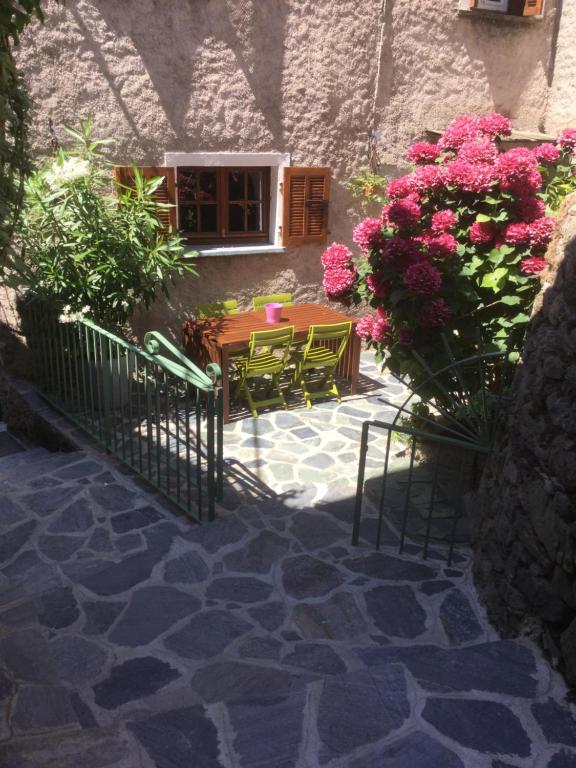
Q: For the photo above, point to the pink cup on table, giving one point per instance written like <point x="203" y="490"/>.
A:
<point x="273" y="312"/>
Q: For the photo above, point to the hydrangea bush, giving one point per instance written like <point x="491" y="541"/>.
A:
<point x="459" y="245"/>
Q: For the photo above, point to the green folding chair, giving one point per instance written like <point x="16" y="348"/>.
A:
<point x="268" y="356"/>
<point x="318" y="355"/>
<point x="279" y="298"/>
<point x="217" y="309"/>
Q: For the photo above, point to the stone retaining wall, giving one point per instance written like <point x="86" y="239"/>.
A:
<point x="526" y="516"/>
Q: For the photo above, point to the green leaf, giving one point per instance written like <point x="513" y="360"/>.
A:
<point x="510" y="301"/>
<point x="520" y="319"/>
<point x="495" y="280"/>
<point x="482" y="217"/>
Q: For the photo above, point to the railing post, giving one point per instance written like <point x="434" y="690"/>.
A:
<point x="360" y="483"/>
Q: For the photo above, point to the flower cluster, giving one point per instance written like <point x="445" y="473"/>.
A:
<point x="368" y="234"/>
<point x="460" y="243"/>
<point x="423" y="152"/>
<point x="403" y="213"/>
<point x="66" y="171"/>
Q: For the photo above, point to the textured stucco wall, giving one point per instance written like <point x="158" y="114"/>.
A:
<point x="308" y="77"/>
<point x="561" y="110"/>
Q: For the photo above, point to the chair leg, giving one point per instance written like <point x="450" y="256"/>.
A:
<point x="251" y="403"/>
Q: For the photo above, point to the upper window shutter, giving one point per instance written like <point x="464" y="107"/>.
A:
<point x="166" y="192"/>
<point x="305" y="205"/>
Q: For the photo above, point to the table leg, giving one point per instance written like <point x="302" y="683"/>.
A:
<point x="356" y="348"/>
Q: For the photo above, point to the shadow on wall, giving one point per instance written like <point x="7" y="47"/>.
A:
<point x="172" y="47"/>
<point x="526" y="515"/>
<point x="510" y="54"/>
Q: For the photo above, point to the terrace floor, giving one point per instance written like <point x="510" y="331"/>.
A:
<point x="130" y="638"/>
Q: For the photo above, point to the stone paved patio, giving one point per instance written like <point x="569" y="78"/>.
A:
<point x="132" y="639"/>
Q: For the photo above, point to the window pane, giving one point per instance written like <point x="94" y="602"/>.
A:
<point x="255" y="217"/>
<point x="208" y="186"/>
<point x="236" y="217"/>
<point x="255" y="185"/>
<point x="208" y="218"/>
<point x="188" y="218"/>
<point x="236" y="185"/>
<point x="188" y="185"/>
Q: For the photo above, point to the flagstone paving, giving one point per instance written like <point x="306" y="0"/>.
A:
<point x="130" y="638"/>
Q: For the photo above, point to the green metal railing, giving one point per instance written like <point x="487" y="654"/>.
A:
<point x="443" y="448"/>
<point x="152" y="408"/>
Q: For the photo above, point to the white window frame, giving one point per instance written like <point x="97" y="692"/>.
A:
<point x="276" y="161"/>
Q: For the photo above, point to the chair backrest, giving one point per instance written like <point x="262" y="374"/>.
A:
<point x="329" y="332"/>
<point x="217" y="309"/>
<point x="276" y="338"/>
<point x="279" y="298"/>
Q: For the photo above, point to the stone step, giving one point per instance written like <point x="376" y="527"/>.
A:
<point x="37" y="463"/>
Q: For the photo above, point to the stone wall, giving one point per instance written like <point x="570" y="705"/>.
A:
<point x="303" y="77"/>
<point x="526" y="518"/>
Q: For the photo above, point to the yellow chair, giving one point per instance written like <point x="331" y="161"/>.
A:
<point x="279" y="298"/>
<point x="316" y="355"/>
<point x="268" y="355"/>
<point x="217" y="309"/>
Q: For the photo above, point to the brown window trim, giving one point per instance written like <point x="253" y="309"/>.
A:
<point x="223" y="236"/>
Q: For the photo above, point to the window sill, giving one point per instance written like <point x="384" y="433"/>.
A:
<point x="234" y="250"/>
<point x="487" y="15"/>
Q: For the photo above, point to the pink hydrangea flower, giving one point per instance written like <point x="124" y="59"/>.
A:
<point x="423" y="279"/>
<point x="364" y="327"/>
<point x="533" y="266"/>
<point x="402" y="252"/>
<point x="426" y="178"/>
<point x="336" y="256"/>
<point x="482" y="232"/>
<point x="567" y="139"/>
<point x="495" y="124"/>
<point x="338" y="281"/>
<point x="403" y="213"/>
<point x="530" y="208"/>
<point x="442" y="221"/>
<point x="517" y="234"/>
<point x="368" y="234"/>
<point x="547" y="153"/>
<point x="478" y="151"/>
<point x="378" y="284"/>
<point x="406" y="337"/>
<point x="440" y="246"/>
<point x="470" y="127"/>
<point x="462" y="129"/>
<point x="517" y="171"/>
<point x="470" y="177"/>
<point x="541" y="231"/>
<point x="434" y="314"/>
<point x="423" y="152"/>
<point x="399" y="187"/>
<point x="382" y="329"/>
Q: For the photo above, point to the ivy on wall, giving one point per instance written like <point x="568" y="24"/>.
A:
<point x="15" y="162"/>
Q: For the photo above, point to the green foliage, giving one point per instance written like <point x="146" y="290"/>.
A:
<point x="90" y="245"/>
<point x="368" y="187"/>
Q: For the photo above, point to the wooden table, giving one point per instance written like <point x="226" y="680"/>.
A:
<point x="221" y="336"/>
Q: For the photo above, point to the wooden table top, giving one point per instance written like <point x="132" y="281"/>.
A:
<point x="234" y="329"/>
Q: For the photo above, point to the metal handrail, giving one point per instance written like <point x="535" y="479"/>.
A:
<point x="160" y="415"/>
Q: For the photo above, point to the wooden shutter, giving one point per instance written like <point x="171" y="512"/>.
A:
<point x="305" y="205"/>
<point x="166" y="192"/>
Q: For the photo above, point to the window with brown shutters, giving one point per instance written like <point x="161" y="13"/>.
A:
<point x="165" y="193"/>
<point x="305" y="205"/>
